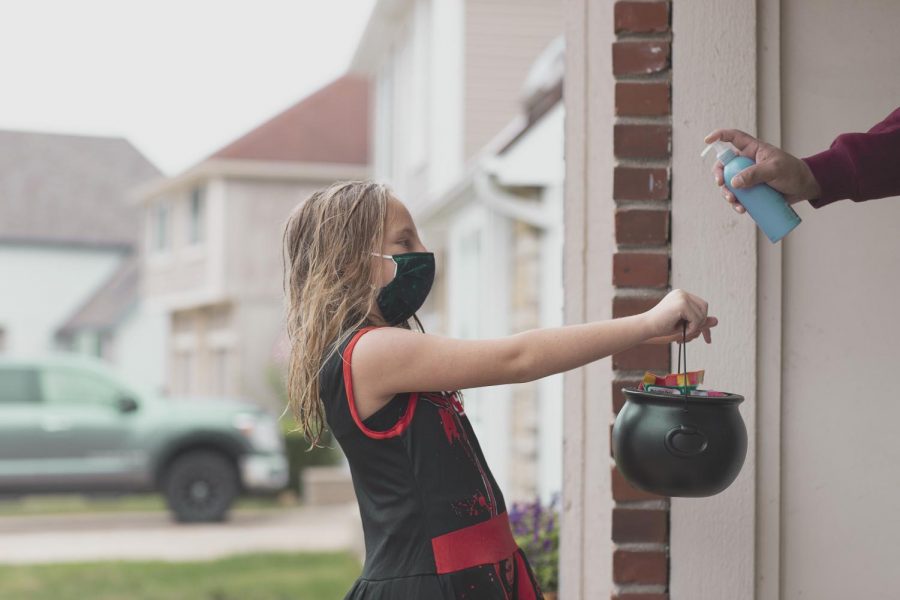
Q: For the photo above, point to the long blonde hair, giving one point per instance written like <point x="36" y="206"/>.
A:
<point x="328" y="279"/>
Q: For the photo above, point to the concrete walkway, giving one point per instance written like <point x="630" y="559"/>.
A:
<point x="153" y="536"/>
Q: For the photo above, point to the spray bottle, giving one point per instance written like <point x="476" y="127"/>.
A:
<point x="768" y="207"/>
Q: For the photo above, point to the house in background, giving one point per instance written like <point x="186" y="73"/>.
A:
<point x="482" y="176"/>
<point x="213" y="261"/>
<point x="69" y="251"/>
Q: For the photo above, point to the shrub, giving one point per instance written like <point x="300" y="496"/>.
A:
<point x="536" y="530"/>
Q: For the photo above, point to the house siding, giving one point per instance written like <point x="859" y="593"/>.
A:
<point x="502" y="40"/>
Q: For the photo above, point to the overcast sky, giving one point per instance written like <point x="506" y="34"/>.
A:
<point x="178" y="78"/>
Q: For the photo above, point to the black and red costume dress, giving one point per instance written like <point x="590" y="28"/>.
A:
<point x="434" y="520"/>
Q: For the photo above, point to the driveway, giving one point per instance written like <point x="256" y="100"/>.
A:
<point x="152" y="536"/>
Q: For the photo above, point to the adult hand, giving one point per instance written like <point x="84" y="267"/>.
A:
<point x="667" y="318"/>
<point x="775" y="167"/>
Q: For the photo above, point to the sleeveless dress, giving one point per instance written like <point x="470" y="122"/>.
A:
<point x="434" y="520"/>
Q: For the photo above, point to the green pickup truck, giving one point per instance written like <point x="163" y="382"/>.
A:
<point x="70" y="424"/>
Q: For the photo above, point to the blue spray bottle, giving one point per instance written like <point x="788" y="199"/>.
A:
<point x="768" y="207"/>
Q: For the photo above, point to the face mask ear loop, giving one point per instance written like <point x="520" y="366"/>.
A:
<point x="391" y="258"/>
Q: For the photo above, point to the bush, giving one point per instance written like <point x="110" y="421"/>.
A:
<point x="297" y="445"/>
<point x="299" y="456"/>
<point x="536" y="530"/>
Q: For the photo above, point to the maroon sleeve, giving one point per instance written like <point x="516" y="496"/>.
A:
<point x="860" y="166"/>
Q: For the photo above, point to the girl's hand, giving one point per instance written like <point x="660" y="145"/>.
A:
<point x="666" y="319"/>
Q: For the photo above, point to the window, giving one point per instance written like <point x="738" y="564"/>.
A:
<point x="161" y="228"/>
<point x="72" y="387"/>
<point x="220" y="371"/>
<point x="197" y="210"/>
<point x="19" y="386"/>
<point x="183" y="375"/>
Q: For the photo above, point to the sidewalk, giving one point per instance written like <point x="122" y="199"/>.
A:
<point x="153" y="536"/>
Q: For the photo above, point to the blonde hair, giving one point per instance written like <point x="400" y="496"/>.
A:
<point x="328" y="279"/>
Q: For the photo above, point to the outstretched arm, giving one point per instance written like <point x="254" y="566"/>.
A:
<point x="858" y="166"/>
<point x="391" y="360"/>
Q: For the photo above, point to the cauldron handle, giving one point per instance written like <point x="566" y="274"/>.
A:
<point x="685" y="430"/>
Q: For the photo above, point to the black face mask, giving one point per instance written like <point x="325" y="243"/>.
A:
<point x="406" y="292"/>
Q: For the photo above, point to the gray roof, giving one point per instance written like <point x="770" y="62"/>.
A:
<point x="110" y="302"/>
<point x="69" y="189"/>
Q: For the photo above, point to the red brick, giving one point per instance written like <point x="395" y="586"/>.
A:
<point x="646" y="357"/>
<point x="626" y="596"/>
<point x="642" y="141"/>
<point x="623" y="491"/>
<point x="617" y="395"/>
<point x="641" y="17"/>
<point x="640" y="567"/>
<point x="640" y="183"/>
<point x="642" y="99"/>
<point x="642" y="226"/>
<point x="640" y="58"/>
<point x="626" y="306"/>
<point x="640" y="526"/>
<point x="635" y="269"/>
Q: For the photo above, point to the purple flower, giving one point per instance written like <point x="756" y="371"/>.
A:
<point x="537" y="520"/>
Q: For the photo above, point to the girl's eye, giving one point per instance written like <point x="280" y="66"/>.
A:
<point x="404" y="243"/>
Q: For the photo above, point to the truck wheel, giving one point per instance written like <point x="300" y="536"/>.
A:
<point x="200" y="487"/>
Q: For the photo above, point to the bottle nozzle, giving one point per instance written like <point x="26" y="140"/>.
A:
<point x="724" y="152"/>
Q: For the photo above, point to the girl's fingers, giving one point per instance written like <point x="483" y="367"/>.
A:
<point x="701" y="310"/>
<point x="707" y="331"/>
<point x="695" y="320"/>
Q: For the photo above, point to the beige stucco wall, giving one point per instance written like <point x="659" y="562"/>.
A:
<point x="586" y="551"/>
<point x="714" y="256"/>
<point x="502" y="40"/>
<point x="840" y="450"/>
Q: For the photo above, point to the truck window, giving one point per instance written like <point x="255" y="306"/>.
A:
<point x="71" y="387"/>
<point x="19" y="385"/>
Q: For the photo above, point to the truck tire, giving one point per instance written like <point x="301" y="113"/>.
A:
<point x="200" y="486"/>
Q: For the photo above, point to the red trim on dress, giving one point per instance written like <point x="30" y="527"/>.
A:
<point x="526" y="587"/>
<point x="481" y="544"/>
<point x="400" y="425"/>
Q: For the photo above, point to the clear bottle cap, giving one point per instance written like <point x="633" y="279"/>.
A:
<point x="724" y="152"/>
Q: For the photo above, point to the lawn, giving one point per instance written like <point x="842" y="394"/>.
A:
<point x="268" y="576"/>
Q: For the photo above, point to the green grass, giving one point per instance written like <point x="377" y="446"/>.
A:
<point x="269" y="576"/>
<point x="66" y="504"/>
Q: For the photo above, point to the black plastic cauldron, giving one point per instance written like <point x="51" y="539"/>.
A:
<point x="679" y="446"/>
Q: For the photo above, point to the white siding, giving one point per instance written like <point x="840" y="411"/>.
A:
<point x="445" y="115"/>
<point x="44" y="286"/>
<point x="502" y="40"/>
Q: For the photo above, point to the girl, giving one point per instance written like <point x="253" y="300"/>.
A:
<point x="434" y="520"/>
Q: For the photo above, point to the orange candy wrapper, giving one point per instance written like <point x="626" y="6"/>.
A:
<point x="694" y="379"/>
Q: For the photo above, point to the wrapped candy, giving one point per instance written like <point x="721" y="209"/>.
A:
<point x="674" y="380"/>
<point x="678" y="391"/>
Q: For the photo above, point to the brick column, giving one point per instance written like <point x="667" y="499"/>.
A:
<point x="641" y="184"/>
